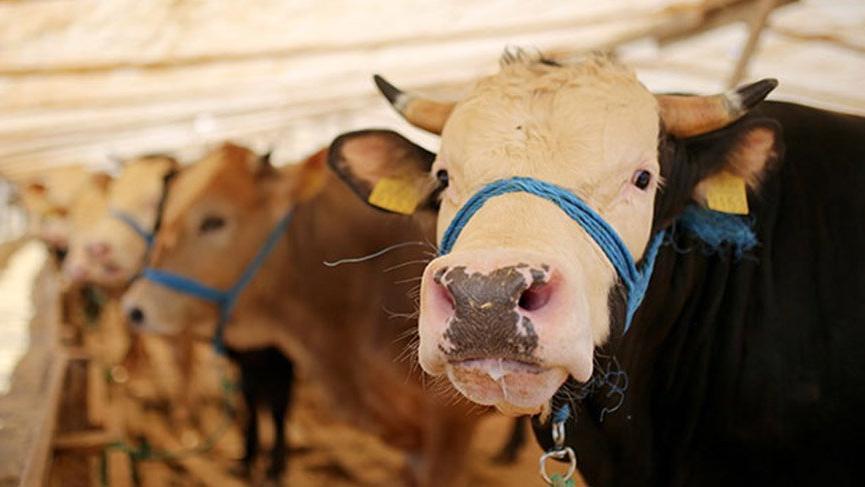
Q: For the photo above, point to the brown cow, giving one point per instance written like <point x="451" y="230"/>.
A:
<point x="89" y="204"/>
<point x="110" y="251"/>
<point x="347" y="324"/>
<point x="106" y="249"/>
<point x="58" y="210"/>
<point x="49" y="198"/>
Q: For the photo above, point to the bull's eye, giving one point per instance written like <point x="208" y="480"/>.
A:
<point x="211" y="223"/>
<point x="642" y="178"/>
<point x="442" y="177"/>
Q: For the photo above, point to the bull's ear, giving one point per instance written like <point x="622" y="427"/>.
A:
<point x="733" y="158"/>
<point x="741" y="155"/>
<point x="385" y="169"/>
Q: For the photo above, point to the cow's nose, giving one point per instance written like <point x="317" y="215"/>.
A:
<point x="491" y="311"/>
<point x="513" y="287"/>
<point x="135" y="316"/>
<point x="98" y="249"/>
<point x="76" y="273"/>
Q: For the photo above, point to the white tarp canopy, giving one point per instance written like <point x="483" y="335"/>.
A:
<point x="84" y="80"/>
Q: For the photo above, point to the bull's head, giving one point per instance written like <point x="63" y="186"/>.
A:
<point x="526" y="294"/>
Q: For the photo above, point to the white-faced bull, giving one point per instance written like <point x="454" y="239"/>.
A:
<point x="743" y="369"/>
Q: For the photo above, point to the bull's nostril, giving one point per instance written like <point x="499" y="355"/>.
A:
<point x="136" y="316"/>
<point x="445" y="295"/>
<point x="535" y="297"/>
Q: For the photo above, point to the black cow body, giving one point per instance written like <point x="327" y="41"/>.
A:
<point x="749" y="371"/>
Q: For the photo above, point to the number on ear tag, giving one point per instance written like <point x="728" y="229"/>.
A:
<point x="725" y="192"/>
<point x="396" y="195"/>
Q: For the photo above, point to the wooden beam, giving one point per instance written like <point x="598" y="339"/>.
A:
<point x="119" y="469"/>
<point x="714" y="15"/>
<point x="38" y="462"/>
<point x="53" y="363"/>
<point x="817" y="37"/>
<point x="97" y="394"/>
<point x="93" y="441"/>
<point x="758" y="23"/>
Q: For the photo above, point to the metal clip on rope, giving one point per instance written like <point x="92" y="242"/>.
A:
<point x="559" y="452"/>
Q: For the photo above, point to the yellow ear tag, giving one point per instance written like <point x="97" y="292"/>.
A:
<point x="396" y="195"/>
<point x="725" y="192"/>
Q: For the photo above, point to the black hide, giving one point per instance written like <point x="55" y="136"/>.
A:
<point x="751" y="371"/>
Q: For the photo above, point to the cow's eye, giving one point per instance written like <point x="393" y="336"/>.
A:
<point x="642" y="178"/>
<point x="442" y="177"/>
<point x="211" y="223"/>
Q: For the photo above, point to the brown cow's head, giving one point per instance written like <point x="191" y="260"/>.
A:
<point x="216" y="217"/>
<point x="47" y="220"/>
<point x="87" y="205"/>
<point x="110" y="253"/>
<point x="49" y="198"/>
<point x="524" y="296"/>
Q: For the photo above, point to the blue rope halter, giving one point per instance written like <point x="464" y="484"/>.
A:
<point x="136" y="227"/>
<point x="225" y="299"/>
<point x="635" y="280"/>
<point x="713" y="228"/>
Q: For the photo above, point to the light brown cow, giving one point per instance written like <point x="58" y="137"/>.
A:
<point x="347" y="325"/>
<point x="523" y="299"/>
<point x="88" y="207"/>
<point x="110" y="250"/>
<point x="48" y="199"/>
<point x="105" y="252"/>
<point x="69" y="215"/>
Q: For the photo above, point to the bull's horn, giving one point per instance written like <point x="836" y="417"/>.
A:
<point x="687" y="116"/>
<point x="426" y="114"/>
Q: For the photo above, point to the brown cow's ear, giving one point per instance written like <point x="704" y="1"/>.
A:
<point x="752" y="148"/>
<point x="35" y="188"/>
<point x="262" y="167"/>
<point x="294" y="183"/>
<point x="101" y="180"/>
<point x="385" y="169"/>
<point x="309" y="177"/>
